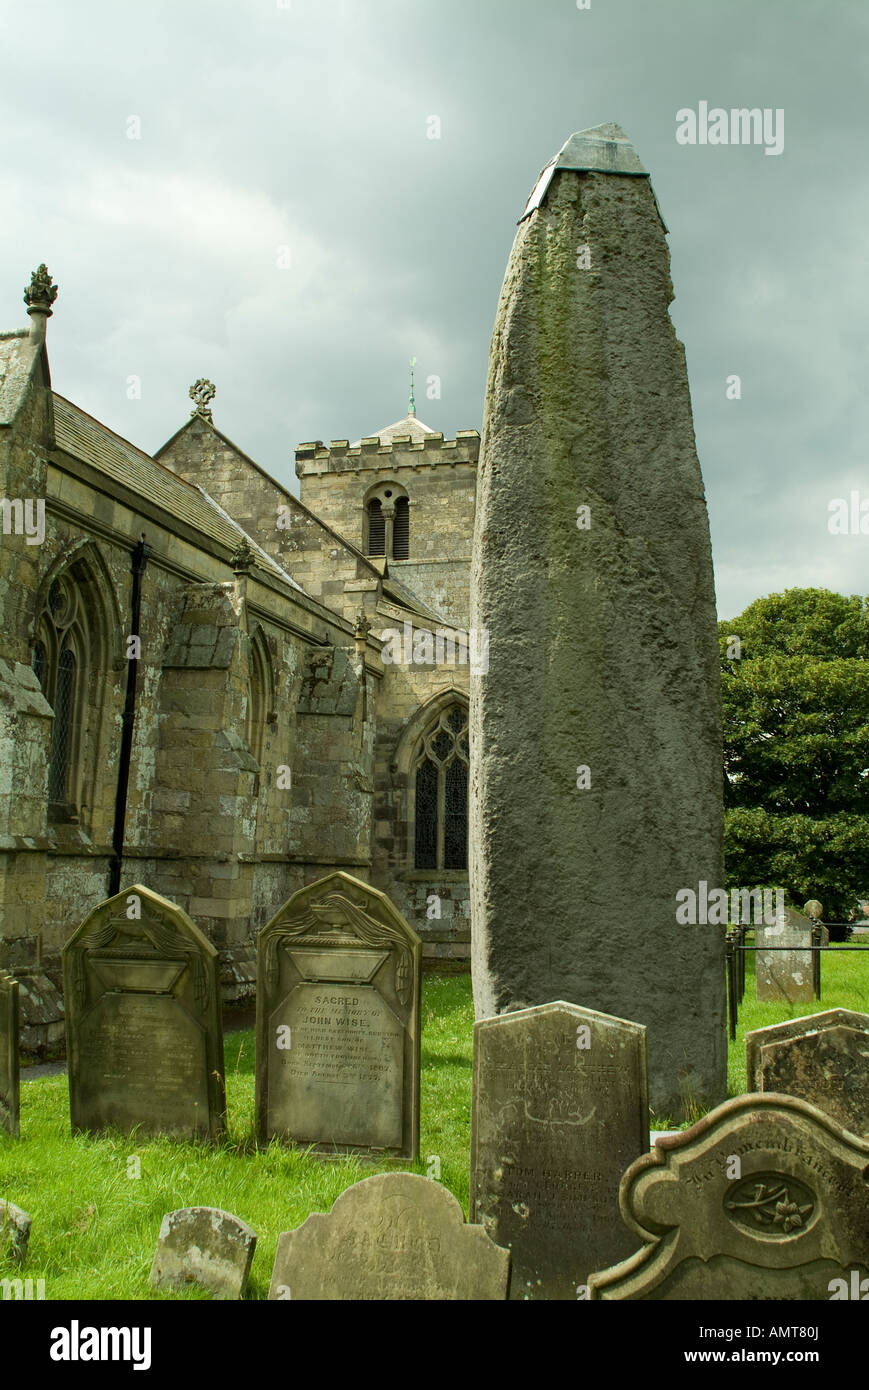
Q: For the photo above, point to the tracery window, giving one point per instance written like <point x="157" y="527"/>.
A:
<point x="59" y="661"/>
<point x="441" y="793"/>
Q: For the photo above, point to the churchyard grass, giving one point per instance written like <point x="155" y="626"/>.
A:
<point x="95" y="1228"/>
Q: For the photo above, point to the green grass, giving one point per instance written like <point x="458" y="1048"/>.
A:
<point x="844" y="985"/>
<point x="95" y="1228"/>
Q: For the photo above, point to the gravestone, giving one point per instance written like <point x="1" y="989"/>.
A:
<point x="9" y="1086"/>
<point x="338" y="1017"/>
<point x="205" y="1246"/>
<point x="393" y="1236"/>
<point x="14" y="1232"/>
<point x="144" y="1035"/>
<point x="560" y="1109"/>
<point x="597" y="727"/>
<point x="823" y="1058"/>
<point x="784" y="975"/>
<point x="764" y="1198"/>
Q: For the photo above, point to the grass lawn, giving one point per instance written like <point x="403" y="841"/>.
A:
<point x="95" y="1226"/>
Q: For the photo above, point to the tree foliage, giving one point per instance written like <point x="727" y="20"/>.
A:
<point x="795" y="694"/>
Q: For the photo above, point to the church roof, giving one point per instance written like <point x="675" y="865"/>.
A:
<point x="409" y="425"/>
<point x="85" y="438"/>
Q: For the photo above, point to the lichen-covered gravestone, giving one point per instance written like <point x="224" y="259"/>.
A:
<point x="14" y="1232"/>
<point x="560" y="1110"/>
<point x="764" y="1198"/>
<point x="784" y="975"/>
<point x="144" y="1035"/>
<point x="338" y="1014"/>
<point x="9" y="1087"/>
<point x="823" y="1058"/>
<point x="205" y="1246"/>
<point x="393" y="1236"/>
<point x="597" y="728"/>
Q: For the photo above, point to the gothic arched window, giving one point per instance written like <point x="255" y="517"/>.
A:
<point x="440" y="778"/>
<point x="59" y="661"/>
<point x="260" y="699"/>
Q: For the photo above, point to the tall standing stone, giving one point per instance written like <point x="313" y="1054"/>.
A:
<point x="560" y="1110"/>
<point x="9" y="1087"/>
<point x="596" y="733"/>
<point x="338" y="1018"/>
<point x="144" y="1034"/>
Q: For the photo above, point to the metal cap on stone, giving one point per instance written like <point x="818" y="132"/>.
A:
<point x="603" y="149"/>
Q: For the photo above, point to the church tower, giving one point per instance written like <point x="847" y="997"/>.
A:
<point x="405" y="496"/>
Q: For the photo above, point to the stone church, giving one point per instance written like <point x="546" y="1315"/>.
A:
<point x="218" y="689"/>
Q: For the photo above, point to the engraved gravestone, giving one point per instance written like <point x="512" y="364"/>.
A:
<point x="560" y="1109"/>
<point x="784" y="975"/>
<point x="823" y="1058"/>
<point x="764" y="1198"/>
<point x="9" y="1088"/>
<point x="144" y="1034"/>
<point x="338" y="1010"/>
<point x="393" y="1236"/>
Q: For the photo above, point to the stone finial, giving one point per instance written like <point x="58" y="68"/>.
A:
<point x="201" y="393"/>
<point x="242" y="558"/>
<point x="362" y="626"/>
<point x="41" y="293"/>
<point x="813" y="909"/>
<point x="39" y="296"/>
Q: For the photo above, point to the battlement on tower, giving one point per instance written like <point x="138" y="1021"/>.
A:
<point x="372" y="454"/>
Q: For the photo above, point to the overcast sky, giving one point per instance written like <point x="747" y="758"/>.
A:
<point x="298" y="131"/>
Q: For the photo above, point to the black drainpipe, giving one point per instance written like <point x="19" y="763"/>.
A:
<point x="138" y="562"/>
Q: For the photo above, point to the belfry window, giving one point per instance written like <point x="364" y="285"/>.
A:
<point x="376" y="528"/>
<point x="441" y="794"/>
<point x="401" y="530"/>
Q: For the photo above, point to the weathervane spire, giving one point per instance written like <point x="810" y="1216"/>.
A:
<point x="412" y="402"/>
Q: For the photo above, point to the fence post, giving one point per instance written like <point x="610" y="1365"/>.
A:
<point x="730" y="957"/>
<point x="817" y="937"/>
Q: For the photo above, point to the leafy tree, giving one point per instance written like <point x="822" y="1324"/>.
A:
<point x="795" y="693"/>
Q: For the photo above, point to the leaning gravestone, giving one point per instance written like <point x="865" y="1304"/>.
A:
<point x="393" y="1236"/>
<point x="560" y="1109"/>
<point x="764" y="1198"/>
<point x="205" y="1246"/>
<point x="784" y="975"/>
<point x="144" y="1035"/>
<point x="338" y="1009"/>
<point x="823" y="1058"/>
<point x="597" y="726"/>
<point x="9" y="1087"/>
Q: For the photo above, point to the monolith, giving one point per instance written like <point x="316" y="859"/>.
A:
<point x="597" y="785"/>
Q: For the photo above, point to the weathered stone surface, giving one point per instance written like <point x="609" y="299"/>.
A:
<point x="764" y="1198"/>
<point x="560" y="1109"/>
<point x="597" y="730"/>
<point x="205" y="1246"/>
<point x="14" y="1232"/>
<point x="338" y="1000"/>
<point x="784" y="975"/>
<point x="143" y="1020"/>
<point x="823" y="1058"/>
<point x="9" y="1088"/>
<point x="393" y="1236"/>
